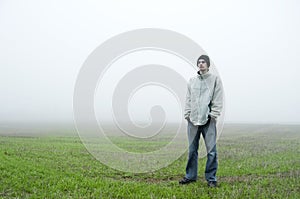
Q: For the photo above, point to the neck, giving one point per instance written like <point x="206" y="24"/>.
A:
<point x="203" y="72"/>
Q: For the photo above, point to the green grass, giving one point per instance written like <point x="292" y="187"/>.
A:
<point x="255" y="161"/>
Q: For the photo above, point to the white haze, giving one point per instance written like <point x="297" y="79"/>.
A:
<point x="255" y="46"/>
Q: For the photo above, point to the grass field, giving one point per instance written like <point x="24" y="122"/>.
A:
<point x="255" y="161"/>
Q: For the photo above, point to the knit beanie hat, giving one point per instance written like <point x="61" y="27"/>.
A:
<point x="206" y="59"/>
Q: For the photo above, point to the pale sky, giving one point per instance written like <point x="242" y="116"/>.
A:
<point x="255" y="46"/>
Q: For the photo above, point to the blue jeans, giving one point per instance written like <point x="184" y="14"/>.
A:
<point x="209" y="134"/>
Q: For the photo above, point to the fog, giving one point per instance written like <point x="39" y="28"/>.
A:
<point x="254" y="46"/>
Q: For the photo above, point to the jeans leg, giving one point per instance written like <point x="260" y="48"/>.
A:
<point x="210" y="136"/>
<point x="192" y="164"/>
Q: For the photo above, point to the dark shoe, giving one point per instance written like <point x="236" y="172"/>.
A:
<point x="186" y="181"/>
<point x="212" y="184"/>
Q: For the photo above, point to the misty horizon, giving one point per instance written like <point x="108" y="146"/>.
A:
<point x="43" y="49"/>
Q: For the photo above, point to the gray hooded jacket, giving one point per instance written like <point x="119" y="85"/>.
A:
<point x="204" y="98"/>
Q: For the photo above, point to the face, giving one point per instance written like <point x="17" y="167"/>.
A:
<point x="202" y="65"/>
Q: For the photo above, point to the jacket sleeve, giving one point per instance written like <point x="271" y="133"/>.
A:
<point x="187" y="109"/>
<point x="217" y="99"/>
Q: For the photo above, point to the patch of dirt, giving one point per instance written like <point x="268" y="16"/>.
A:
<point x="230" y="179"/>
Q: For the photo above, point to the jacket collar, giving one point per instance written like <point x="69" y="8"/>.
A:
<point x="203" y="75"/>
